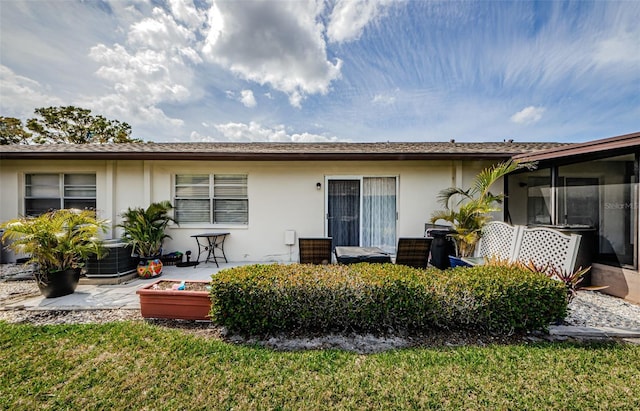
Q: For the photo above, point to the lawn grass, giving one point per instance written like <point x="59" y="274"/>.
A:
<point x="137" y="365"/>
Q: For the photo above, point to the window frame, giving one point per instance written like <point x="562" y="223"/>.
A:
<point x="212" y="198"/>
<point x="62" y="188"/>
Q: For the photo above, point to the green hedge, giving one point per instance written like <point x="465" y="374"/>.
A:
<point x="383" y="298"/>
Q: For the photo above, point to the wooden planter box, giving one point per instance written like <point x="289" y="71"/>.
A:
<point x="158" y="300"/>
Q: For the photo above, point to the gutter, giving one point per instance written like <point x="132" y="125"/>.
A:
<point x="622" y="144"/>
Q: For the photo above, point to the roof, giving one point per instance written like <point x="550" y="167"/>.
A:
<point x="611" y="146"/>
<point x="276" y="151"/>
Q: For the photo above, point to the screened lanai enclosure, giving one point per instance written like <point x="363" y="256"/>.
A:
<point x="596" y="198"/>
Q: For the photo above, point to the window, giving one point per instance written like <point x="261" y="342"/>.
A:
<point x="44" y="192"/>
<point x="213" y="199"/>
<point x="599" y="195"/>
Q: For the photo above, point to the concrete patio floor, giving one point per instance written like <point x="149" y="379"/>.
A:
<point x="115" y="296"/>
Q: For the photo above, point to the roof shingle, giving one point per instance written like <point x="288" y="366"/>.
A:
<point x="274" y="151"/>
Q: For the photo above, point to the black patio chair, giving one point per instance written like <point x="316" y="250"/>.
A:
<point x="413" y="252"/>
<point x="315" y="250"/>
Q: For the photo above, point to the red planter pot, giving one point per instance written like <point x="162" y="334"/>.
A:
<point x="174" y="304"/>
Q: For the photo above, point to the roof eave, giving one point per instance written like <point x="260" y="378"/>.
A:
<point x="250" y="156"/>
<point x="607" y="146"/>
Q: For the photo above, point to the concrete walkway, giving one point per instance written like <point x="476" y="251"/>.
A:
<point x="115" y="296"/>
<point x="123" y="296"/>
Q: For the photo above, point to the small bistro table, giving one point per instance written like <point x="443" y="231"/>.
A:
<point x="211" y="242"/>
<point x="353" y="255"/>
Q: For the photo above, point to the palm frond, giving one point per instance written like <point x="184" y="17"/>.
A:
<point x="472" y="210"/>
<point x="444" y="196"/>
<point x="144" y="229"/>
<point x="487" y="177"/>
<point x="57" y="240"/>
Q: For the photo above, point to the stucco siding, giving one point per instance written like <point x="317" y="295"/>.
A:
<point x="282" y="195"/>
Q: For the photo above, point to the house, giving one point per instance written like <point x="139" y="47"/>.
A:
<point x="367" y="194"/>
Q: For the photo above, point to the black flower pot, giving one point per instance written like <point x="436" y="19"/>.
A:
<point x="59" y="283"/>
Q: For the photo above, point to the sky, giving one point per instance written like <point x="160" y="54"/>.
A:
<point x="336" y="71"/>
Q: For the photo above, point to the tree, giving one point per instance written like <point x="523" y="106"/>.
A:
<point x="12" y="131"/>
<point x="78" y="126"/>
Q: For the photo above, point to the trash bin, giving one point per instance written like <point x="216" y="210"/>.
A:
<point x="442" y="245"/>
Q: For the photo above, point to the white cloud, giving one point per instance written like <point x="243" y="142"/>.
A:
<point x="187" y="13"/>
<point x="147" y="74"/>
<point x="199" y="138"/>
<point x="295" y="99"/>
<point x="383" y="100"/>
<point x="21" y="95"/>
<point x="279" y="44"/>
<point x="349" y="18"/>
<point x="154" y="66"/>
<point x="144" y="116"/>
<point x="528" y="115"/>
<point x="255" y="132"/>
<point x="622" y="48"/>
<point x="313" y="138"/>
<point x="248" y="99"/>
<point x="163" y="67"/>
<point x="570" y="56"/>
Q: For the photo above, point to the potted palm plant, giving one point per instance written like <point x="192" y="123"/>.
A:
<point x="58" y="243"/>
<point x="144" y="230"/>
<point x="469" y="214"/>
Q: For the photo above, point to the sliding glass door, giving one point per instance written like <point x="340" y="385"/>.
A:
<point x="361" y="211"/>
<point x="343" y="212"/>
<point x="379" y="213"/>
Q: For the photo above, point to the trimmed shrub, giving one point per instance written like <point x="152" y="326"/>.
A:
<point x="382" y="298"/>
<point x="494" y="298"/>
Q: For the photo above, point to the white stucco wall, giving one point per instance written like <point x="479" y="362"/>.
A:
<point x="12" y="182"/>
<point x="282" y="195"/>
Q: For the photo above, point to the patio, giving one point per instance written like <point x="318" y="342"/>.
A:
<point x="113" y="296"/>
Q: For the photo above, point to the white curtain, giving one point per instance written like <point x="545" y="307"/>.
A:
<point x="379" y="213"/>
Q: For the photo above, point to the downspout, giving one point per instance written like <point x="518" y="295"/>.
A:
<point x="506" y="215"/>
<point x="110" y="190"/>
<point x="554" y="194"/>
<point x="456" y="174"/>
<point x="147" y="181"/>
